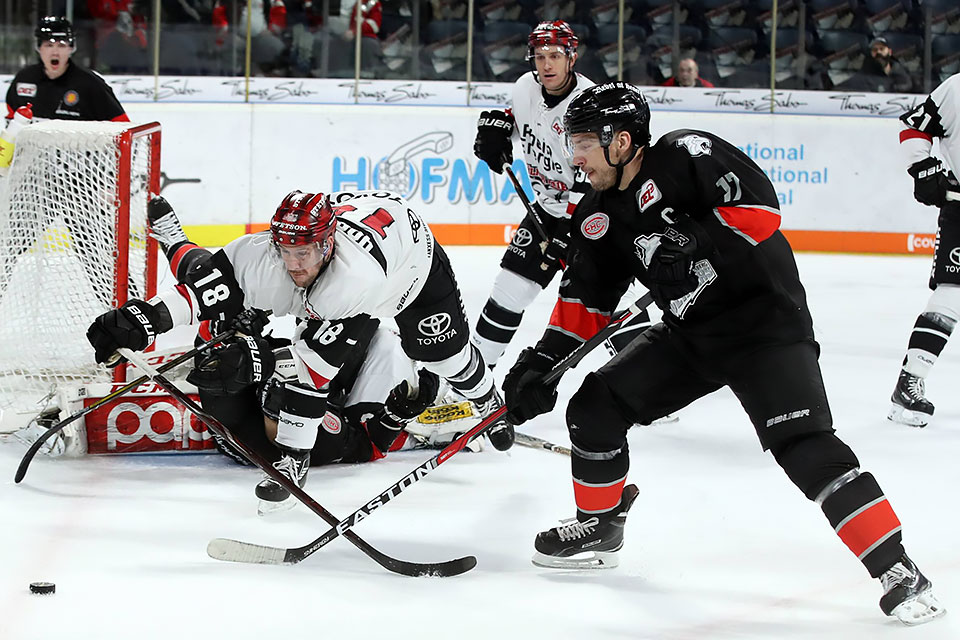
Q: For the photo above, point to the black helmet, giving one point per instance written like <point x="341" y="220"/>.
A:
<point x="54" y="28"/>
<point x="604" y="109"/>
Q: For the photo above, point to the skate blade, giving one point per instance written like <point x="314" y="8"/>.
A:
<point x="267" y="508"/>
<point x="918" y="610"/>
<point x="910" y="418"/>
<point x="586" y="560"/>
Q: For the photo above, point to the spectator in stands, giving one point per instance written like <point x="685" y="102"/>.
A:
<point x="326" y="48"/>
<point x="268" y="20"/>
<point x="688" y="75"/>
<point x="882" y="72"/>
<point x="121" y="36"/>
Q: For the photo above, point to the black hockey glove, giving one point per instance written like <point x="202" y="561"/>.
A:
<point x="930" y="182"/>
<point x="527" y="396"/>
<point x="400" y="406"/>
<point x="230" y="369"/>
<point x="133" y="326"/>
<point x="670" y="270"/>
<point x="249" y="322"/>
<point x="555" y="253"/>
<point x="493" y="144"/>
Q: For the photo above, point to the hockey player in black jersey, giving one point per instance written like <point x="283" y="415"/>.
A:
<point x="696" y="221"/>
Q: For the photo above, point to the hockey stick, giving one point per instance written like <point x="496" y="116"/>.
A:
<point x="953" y="195"/>
<point x="439" y="569"/>
<point x="535" y="218"/>
<point x="539" y="443"/>
<point x="49" y="433"/>
<point x="236" y="551"/>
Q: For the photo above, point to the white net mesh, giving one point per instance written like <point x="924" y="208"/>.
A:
<point x="60" y="252"/>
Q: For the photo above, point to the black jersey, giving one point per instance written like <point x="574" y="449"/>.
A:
<point x="749" y="292"/>
<point x="78" y="94"/>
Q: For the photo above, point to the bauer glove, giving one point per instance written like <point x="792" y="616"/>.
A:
<point x="493" y="144"/>
<point x="230" y="369"/>
<point x="527" y="395"/>
<point x="930" y="182"/>
<point x="133" y="326"/>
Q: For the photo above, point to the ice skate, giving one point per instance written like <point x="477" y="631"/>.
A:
<point x="164" y="225"/>
<point x="908" y="594"/>
<point x="501" y="434"/>
<point x="591" y="544"/>
<point x="910" y="407"/>
<point x="273" y="496"/>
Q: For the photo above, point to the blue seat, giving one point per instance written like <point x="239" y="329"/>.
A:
<point x="944" y="15"/>
<point x="843" y="50"/>
<point x="723" y="13"/>
<point x="732" y="46"/>
<point x="832" y="14"/>
<point x="945" y="50"/>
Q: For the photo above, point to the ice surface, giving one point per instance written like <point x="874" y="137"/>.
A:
<point x="719" y="544"/>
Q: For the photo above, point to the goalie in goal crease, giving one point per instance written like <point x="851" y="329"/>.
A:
<point x="342" y="390"/>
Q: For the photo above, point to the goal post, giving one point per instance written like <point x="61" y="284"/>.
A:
<point x="73" y="244"/>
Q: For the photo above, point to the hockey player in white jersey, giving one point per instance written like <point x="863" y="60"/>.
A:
<point x="335" y="262"/>
<point x="938" y="117"/>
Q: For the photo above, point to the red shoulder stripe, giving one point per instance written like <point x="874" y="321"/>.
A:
<point x="756" y="223"/>
<point x="907" y="134"/>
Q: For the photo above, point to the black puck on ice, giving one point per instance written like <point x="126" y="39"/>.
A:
<point x="43" y="588"/>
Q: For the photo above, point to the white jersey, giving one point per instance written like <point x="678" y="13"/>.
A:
<point x="937" y="117"/>
<point x="539" y="127"/>
<point x="382" y="256"/>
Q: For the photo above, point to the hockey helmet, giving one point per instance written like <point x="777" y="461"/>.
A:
<point x="552" y="33"/>
<point x="302" y="219"/>
<point x="607" y="108"/>
<point x="54" y="28"/>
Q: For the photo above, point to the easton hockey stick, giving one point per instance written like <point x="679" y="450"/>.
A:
<point x="403" y="567"/>
<point x="49" y="433"/>
<point x="236" y="551"/>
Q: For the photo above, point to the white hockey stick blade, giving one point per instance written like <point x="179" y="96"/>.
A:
<point x="236" y="551"/>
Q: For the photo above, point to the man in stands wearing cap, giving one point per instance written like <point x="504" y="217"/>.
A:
<point x="882" y="72"/>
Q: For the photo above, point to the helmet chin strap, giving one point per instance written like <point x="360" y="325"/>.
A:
<point x="619" y="166"/>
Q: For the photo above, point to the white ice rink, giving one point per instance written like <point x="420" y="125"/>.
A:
<point x="719" y="545"/>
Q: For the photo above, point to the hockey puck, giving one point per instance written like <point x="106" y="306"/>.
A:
<point x="43" y="588"/>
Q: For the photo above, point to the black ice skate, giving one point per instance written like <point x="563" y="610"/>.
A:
<point x="294" y="464"/>
<point x="908" y="594"/>
<point x="164" y="225"/>
<point x="591" y="544"/>
<point x="501" y="434"/>
<point x="910" y="407"/>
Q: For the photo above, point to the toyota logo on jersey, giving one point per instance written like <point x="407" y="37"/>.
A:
<point x="522" y="238"/>
<point x="595" y="226"/>
<point x="435" y="325"/>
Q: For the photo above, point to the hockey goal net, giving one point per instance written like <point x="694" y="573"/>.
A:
<point x="73" y="244"/>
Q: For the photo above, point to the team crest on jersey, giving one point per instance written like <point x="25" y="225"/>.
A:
<point x="26" y="89"/>
<point x="647" y="195"/>
<point x="557" y="126"/>
<point x="595" y="226"/>
<point x="331" y="423"/>
<point x="644" y="246"/>
<point x="696" y="145"/>
<point x="71" y="98"/>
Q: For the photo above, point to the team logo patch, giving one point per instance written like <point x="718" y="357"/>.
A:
<point x="26" y="89"/>
<point x="557" y="127"/>
<point x="696" y="145"/>
<point x="71" y="98"/>
<point x="647" y="195"/>
<point x="595" y="226"/>
<point x="331" y="423"/>
<point x="644" y="246"/>
<point x="435" y="325"/>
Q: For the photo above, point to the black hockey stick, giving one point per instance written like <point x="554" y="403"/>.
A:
<point x="534" y="216"/>
<point x="236" y="551"/>
<point x="403" y="567"/>
<point x="49" y="433"/>
<point x="534" y="442"/>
